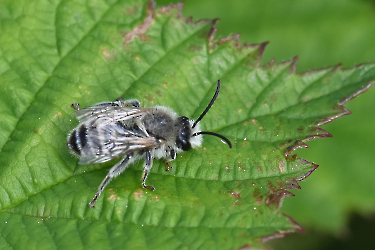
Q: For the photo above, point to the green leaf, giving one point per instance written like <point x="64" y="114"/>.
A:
<point x="57" y="53"/>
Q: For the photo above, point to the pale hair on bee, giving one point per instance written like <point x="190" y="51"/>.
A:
<point x="110" y="130"/>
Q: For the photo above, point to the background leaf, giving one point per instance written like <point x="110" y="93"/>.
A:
<point x="99" y="52"/>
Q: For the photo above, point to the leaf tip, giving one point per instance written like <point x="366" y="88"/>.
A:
<point x="281" y="234"/>
<point x="262" y="47"/>
<point x="294" y="64"/>
<point x="355" y="94"/>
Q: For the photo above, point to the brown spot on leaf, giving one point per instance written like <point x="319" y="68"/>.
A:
<point x="256" y="192"/>
<point x="150" y="98"/>
<point x="235" y="194"/>
<point x="285" y="144"/>
<point x="106" y="54"/>
<point x="259" y="200"/>
<point x="281" y="166"/>
<point x="292" y="183"/>
<point x="279" y="183"/>
<point x="167" y="9"/>
<point x="144" y="37"/>
<point x="111" y="198"/>
<point x="142" y="28"/>
<point x="271" y="187"/>
<point x="276" y="197"/>
<point x="195" y="48"/>
<point x="113" y="194"/>
<point x="57" y="115"/>
<point x="236" y="204"/>
<point x="155" y="198"/>
<point x="133" y="10"/>
<point x="138" y="194"/>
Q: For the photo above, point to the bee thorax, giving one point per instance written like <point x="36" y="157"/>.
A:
<point x="161" y="122"/>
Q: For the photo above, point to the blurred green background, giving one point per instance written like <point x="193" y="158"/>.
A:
<point x="336" y="205"/>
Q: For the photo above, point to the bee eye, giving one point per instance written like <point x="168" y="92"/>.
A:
<point x="184" y="133"/>
<point x="183" y="144"/>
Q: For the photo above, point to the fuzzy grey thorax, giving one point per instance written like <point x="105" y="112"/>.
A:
<point x="161" y="122"/>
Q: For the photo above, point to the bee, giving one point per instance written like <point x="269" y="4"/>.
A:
<point x="110" y="130"/>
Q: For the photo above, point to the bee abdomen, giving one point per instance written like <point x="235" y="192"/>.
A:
<point x="83" y="135"/>
<point x="77" y="139"/>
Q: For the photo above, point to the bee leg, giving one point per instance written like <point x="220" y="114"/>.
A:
<point x="173" y="156"/>
<point x="167" y="166"/>
<point x="129" y="103"/>
<point x="146" y="170"/>
<point x="132" y="103"/>
<point x="76" y="106"/>
<point x="113" y="172"/>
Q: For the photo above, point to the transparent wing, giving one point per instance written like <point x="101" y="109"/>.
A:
<point x="118" y="111"/>
<point x="108" y="140"/>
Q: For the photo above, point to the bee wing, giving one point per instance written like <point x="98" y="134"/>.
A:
<point x="115" y="110"/>
<point x="111" y="140"/>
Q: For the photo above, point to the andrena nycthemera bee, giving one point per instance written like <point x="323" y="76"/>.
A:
<point x="110" y="130"/>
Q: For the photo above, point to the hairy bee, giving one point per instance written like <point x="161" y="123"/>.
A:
<point x="109" y="130"/>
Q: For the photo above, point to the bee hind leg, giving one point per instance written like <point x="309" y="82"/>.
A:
<point x="113" y="172"/>
<point x="146" y="170"/>
<point x="128" y="103"/>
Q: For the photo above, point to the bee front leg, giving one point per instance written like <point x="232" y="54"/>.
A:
<point x="146" y="170"/>
<point x="167" y="166"/>
<point x="172" y="156"/>
<point x="113" y="172"/>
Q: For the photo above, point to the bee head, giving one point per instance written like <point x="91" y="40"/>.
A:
<point x="185" y="132"/>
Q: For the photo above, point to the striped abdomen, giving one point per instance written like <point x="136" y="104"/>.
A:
<point x="77" y="139"/>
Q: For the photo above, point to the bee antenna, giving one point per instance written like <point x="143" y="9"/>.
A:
<point x="209" y="105"/>
<point x="215" y="134"/>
